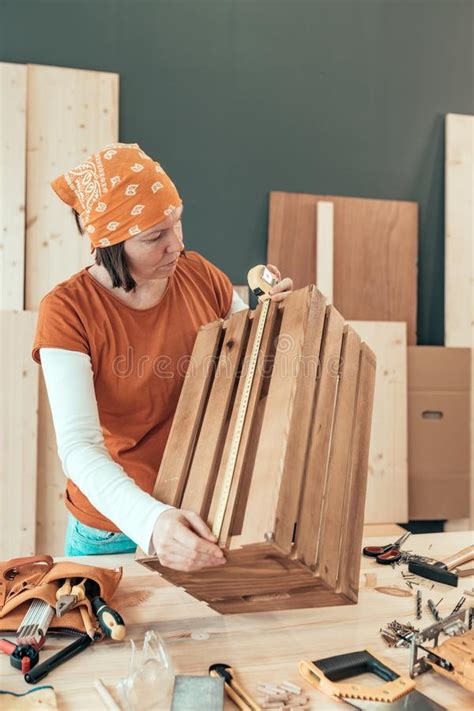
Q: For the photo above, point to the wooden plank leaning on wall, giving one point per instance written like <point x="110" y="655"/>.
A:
<point x="12" y="184"/>
<point x="375" y="253"/>
<point x="71" y="113"/>
<point x="459" y="247"/>
<point x="18" y="434"/>
<point x="387" y="480"/>
<point x="18" y="379"/>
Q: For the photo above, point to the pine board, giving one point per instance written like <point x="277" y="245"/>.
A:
<point x="18" y="434"/>
<point x="12" y="184"/>
<point x="375" y="253"/>
<point x="459" y="249"/>
<point x="71" y="113"/>
<point x="325" y="249"/>
<point x="459" y="231"/>
<point x="387" y="481"/>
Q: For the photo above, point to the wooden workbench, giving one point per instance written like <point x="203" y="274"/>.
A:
<point x="261" y="647"/>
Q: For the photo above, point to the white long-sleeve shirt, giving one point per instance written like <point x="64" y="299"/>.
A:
<point x="84" y="457"/>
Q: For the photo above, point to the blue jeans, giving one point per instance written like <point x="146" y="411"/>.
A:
<point x="86" y="540"/>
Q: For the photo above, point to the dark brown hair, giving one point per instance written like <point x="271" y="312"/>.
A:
<point x="113" y="258"/>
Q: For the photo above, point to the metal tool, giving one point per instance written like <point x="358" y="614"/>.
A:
<point x="414" y="701"/>
<point x="442" y="571"/>
<point x="68" y="596"/>
<point x="396" y="693"/>
<point x="451" y="626"/>
<point x="419" y="602"/>
<point x="458" y="606"/>
<point x="64" y="600"/>
<point x="388" y="553"/>
<point x="261" y="281"/>
<point x="195" y="693"/>
<point x="434" y="611"/>
<point x="232" y="688"/>
<point x="397" y="634"/>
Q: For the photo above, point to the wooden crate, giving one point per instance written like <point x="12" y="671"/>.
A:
<point x="292" y="530"/>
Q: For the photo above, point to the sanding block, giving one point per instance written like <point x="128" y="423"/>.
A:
<point x="198" y="693"/>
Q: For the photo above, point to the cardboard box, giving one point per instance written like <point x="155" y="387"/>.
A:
<point x="438" y="432"/>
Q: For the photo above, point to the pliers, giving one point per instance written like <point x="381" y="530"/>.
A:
<point x="68" y="595"/>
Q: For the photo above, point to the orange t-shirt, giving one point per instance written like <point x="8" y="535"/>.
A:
<point x="139" y="359"/>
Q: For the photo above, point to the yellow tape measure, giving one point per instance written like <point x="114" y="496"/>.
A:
<point x="260" y="280"/>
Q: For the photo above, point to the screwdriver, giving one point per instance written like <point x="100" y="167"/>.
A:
<point x="110" y="620"/>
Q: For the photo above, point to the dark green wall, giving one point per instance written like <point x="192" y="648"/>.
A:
<point x="240" y="97"/>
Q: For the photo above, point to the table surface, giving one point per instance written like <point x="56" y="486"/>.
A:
<point x="261" y="647"/>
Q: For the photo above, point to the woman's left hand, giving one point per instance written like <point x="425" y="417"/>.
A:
<point x="280" y="291"/>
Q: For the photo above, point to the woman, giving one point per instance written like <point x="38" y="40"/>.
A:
<point x="113" y="341"/>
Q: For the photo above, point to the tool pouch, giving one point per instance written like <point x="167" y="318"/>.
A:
<point x="38" y="577"/>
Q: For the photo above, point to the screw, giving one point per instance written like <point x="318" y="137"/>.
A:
<point x="458" y="606"/>
<point x="418" y="604"/>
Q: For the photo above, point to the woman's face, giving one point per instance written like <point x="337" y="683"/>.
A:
<point x="153" y="254"/>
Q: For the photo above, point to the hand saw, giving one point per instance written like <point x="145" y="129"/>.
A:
<point x="334" y="677"/>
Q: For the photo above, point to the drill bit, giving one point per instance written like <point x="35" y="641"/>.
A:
<point x="418" y="604"/>
<point x="432" y="608"/>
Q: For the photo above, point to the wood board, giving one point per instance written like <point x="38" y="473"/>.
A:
<point x="71" y="113"/>
<point x="325" y="248"/>
<point x="459" y="249"/>
<point x="375" y="253"/>
<point x="18" y="433"/>
<point x="314" y="382"/>
<point x="387" y="482"/>
<point x="12" y="184"/>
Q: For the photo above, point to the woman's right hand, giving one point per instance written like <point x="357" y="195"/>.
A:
<point x="183" y="541"/>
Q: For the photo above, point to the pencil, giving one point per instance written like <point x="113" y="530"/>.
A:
<point x="86" y="618"/>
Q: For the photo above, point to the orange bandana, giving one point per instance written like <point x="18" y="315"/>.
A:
<point x="118" y="192"/>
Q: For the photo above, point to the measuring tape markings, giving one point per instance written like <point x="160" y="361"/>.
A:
<point x="239" y="424"/>
<point x="260" y="280"/>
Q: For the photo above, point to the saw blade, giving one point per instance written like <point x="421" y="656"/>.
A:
<point x="413" y="701"/>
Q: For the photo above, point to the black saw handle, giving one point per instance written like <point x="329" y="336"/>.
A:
<point x="343" y="666"/>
